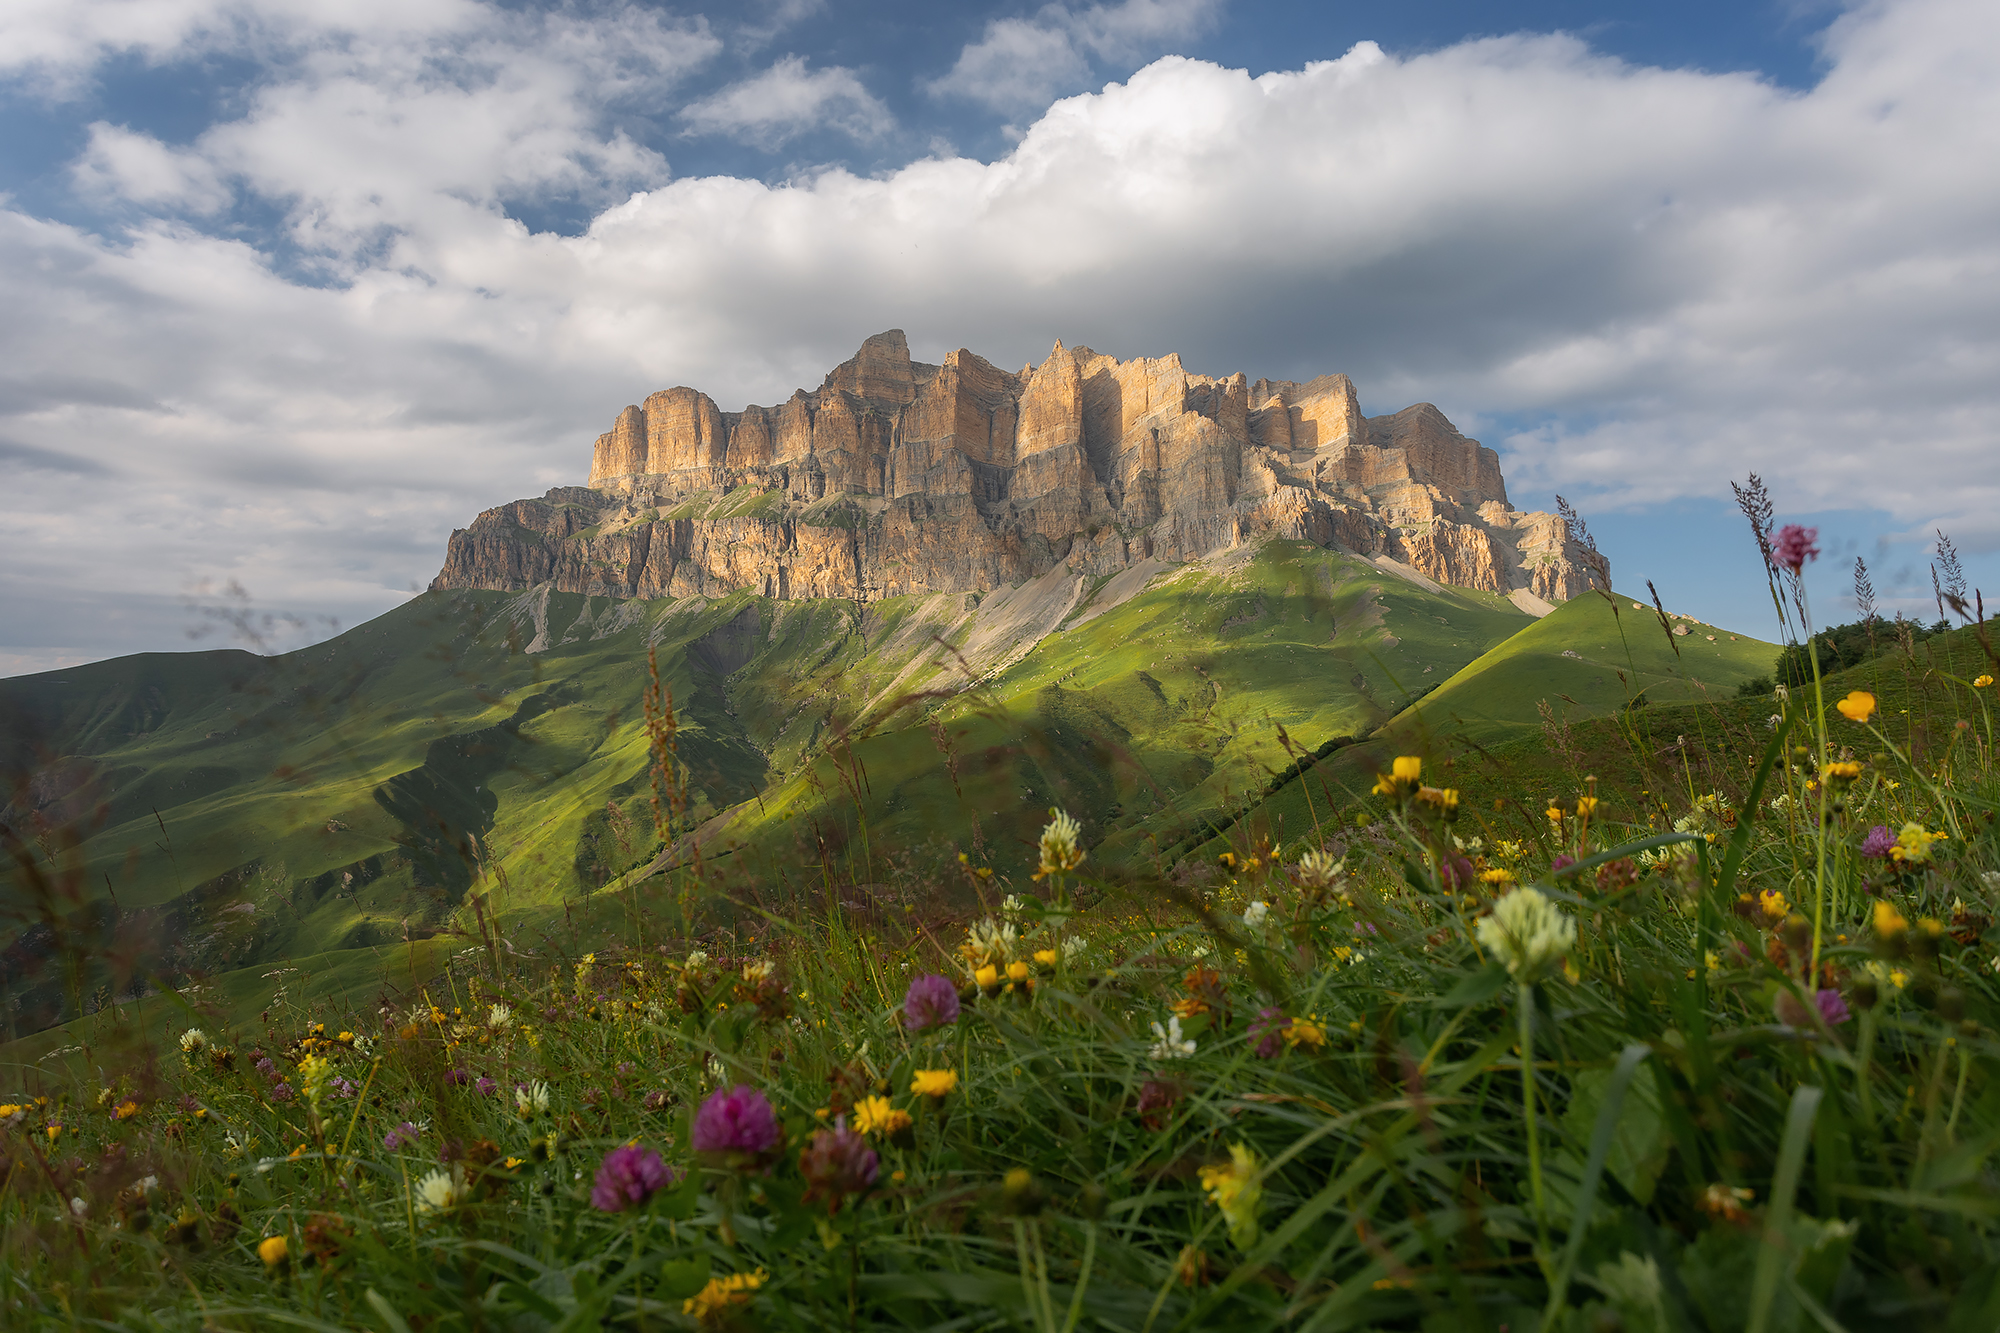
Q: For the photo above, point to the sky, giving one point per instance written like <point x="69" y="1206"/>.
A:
<point x="294" y="289"/>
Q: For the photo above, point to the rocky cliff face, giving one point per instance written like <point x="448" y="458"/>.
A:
<point x="898" y="477"/>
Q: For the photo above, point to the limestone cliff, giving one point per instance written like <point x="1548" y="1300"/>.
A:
<point x="898" y="477"/>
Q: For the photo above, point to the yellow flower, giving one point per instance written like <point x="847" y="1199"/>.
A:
<point x="1913" y="844"/>
<point x="721" y="1293"/>
<point x="1889" y="922"/>
<point x="934" y="1082"/>
<point x="1401" y="777"/>
<point x="1858" y="706"/>
<point x="1497" y="875"/>
<point x="876" y="1116"/>
<point x="1444" y="800"/>
<point x="1842" y="770"/>
<point x="987" y="977"/>
<point x="1045" y="957"/>
<point x="272" y="1250"/>
<point x="1554" y="812"/>
<point x="1773" y="904"/>
<point x="1586" y="806"/>
<point x="126" y="1109"/>
<point x="1306" y="1031"/>
<point x="1017" y="971"/>
<point x="1981" y="681"/>
<point x="1234" y="1189"/>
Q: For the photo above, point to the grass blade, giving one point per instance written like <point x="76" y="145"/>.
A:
<point x="1773" y="1254"/>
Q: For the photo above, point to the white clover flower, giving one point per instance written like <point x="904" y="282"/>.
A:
<point x="1256" y="914"/>
<point x="194" y="1041"/>
<point x="364" y="1046"/>
<point x="758" y="972"/>
<point x="499" y="1016"/>
<point x="78" y="1207"/>
<point x="1011" y="905"/>
<point x="1170" y="1044"/>
<point x="441" y="1190"/>
<point x="1527" y="933"/>
<point x="1074" y="947"/>
<point x="1059" y="847"/>
<point x="989" y="942"/>
<point x="1198" y="951"/>
<point x="532" y="1100"/>
<point x="1318" y="870"/>
<point x="696" y="960"/>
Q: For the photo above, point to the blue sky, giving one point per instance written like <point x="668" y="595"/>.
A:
<point x="294" y="289"/>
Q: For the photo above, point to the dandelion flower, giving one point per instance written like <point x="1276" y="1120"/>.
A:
<point x="1527" y="933"/>
<point x="1401" y="779"/>
<point x="272" y="1250"/>
<point x="1059" y="848"/>
<point x="1169" y="1044"/>
<point x="441" y="1190"/>
<point x="875" y="1115"/>
<point x="935" y="1083"/>
<point x="1858" y="706"/>
<point x="1234" y="1190"/>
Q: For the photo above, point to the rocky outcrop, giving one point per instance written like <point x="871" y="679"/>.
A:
<point x="898" y="477"/>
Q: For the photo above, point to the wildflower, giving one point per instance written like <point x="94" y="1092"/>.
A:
<point x="1073" y="946"/>
<point x="272" y="1250"/>
<point x="1527" y="933"/>
<point x="1841" y="770"/>
<point x="1880" y="841"/>
<point x="1772" y="903"/>
<point x="875" y="1115"/>
<point x="986" y="978"/>
<point x="1497" y="875"/>
<point x="499" y="1016"/>
<point x="194" y="1041"/>
<point x="1832" y="1009"/>
<point x="1319" y="870"/>
<point x="1306" y="1031"/>
<point x="1981" y="681"/>
<point x="1441" y="801"/>
<point x="1726" y="1202"/>
<point x="721" y="1293"/>
<point x="1059" y="850"/>
<point x="759" y="972"/>
<point x="935" y="1083"/>
<point x="1889" y="923"/>
<point x="1256" y="914"/>
<point x="1045" y="958"/>
<point x="1191" y="1268"/>
<point x="1586" y="806"/>
<point x="838" y="1162"/>
<point x="129" y="1108"/>
<point x="1913" y="845"/>
<point x="1401" y="779"/>
<point x="1170" y="1045"/>
<point x="441" y="1190"/>
<point x="1793" y="546"/>
<point x="1234" y="1189"/>
<point x="1017" y="971"/>
<point x="931" y="1002"/>
<point x="1858" y="706"/>
<point x="629" y="1176"/>
<point x="1266" y="1033"/>
<point x="988" y="942"/>
<point x="484" y="1086"/>
<point x="736" y="1122"/>
<point x="532" y="1100"/>
<point x="402" y="1136"/>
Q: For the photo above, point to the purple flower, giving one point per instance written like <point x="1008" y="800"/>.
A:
<point x="1794" y="546"/>
<point x="1878" y="842"/>
<point x="344" y="1088"/>
<point x="402" y="1136"/>
<point x="628" y="1177"/>
<point x="1267" y="1033"/>
<point x="282" y="1093"/>
<point x="736" y="1121"/>
<point x="1455" y="871"/>
<point x="836" y="1163"/>
<point x="1562" y="862"/>
<point x="1832" y="1009"/>
<point x="485" y="1086"/>
<point x="458" y="1078"/>
<point x="932" y="1002"/>
<point x="266" y="1068"/>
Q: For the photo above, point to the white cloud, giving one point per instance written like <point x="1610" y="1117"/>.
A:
<point x="139" y="169"/>
<point x="787" y="100"/>
<point x="1685" y="276"/>
<point x="1021" y="63"/>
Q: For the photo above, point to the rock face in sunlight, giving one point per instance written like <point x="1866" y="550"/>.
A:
<point x="898" y="477"/>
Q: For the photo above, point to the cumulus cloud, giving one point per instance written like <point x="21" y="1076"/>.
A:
<point x="120" y="164"/>
<point x="787" y="100"/>
<point x="1660" y="278"/>
<point x="1020" y="63"/>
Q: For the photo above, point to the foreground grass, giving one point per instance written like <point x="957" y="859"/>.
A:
<point x="1323" y="1088"/>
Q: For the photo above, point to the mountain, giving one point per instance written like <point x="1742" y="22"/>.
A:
<point x="894" y="620"/>
<point x="899" y="478"/>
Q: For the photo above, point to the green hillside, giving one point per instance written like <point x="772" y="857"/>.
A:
<point x="205" y="812"/>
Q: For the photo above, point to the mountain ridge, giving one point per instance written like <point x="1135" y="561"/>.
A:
<point x="899" y="477"/>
